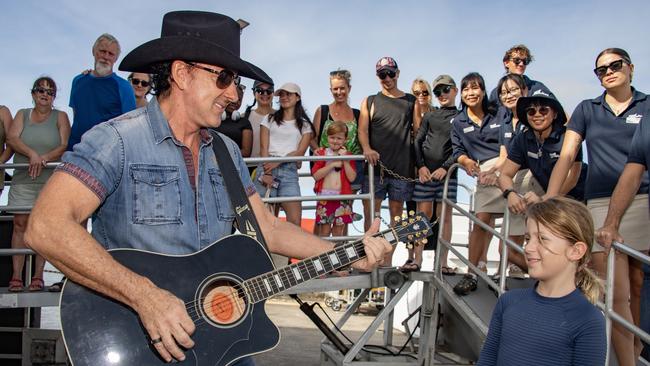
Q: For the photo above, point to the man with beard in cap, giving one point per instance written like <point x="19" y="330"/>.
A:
<point x="151" y="180"/>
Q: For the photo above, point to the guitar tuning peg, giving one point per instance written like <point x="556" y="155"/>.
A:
<point x="404" y="215"/>
<point x="424" y="241"/>
<point x="411" y="213"/>
<point x="417" y="235"/>
<point x="404" y="223"/>
<point x="397" y="219"/>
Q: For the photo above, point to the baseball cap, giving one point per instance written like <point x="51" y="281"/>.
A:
<point x="289" y="87"/>
<point x="258" y="83"/>
<point x="443" y="80"/>
<point x="386" y="63"/>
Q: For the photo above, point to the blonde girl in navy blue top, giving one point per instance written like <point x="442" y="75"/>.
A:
<point x="607" y="124"/>
<point x="555" y="322"/>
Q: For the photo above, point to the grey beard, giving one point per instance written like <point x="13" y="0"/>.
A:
<point x="102" y="69"/>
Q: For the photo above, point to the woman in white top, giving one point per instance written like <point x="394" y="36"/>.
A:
<point x="286" y="132"/>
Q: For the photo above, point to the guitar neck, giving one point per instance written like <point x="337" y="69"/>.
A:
<point x="274" y="282"/>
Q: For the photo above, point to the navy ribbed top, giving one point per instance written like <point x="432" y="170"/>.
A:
<point x="530" y="329"/>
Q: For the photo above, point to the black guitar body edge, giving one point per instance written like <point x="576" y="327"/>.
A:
<point x="99" y="331"/>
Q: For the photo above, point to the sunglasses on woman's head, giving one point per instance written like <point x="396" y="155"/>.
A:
<point x="263" y="91"/>
<point x="384" y="73"/>
<point x="601" y="71"/>
<point x="543" y="110"/>
<point x="443" y="90"/>
<point x="423" y="93"/>
<point x="40" y="90"/>
<point x="143" y="83"/>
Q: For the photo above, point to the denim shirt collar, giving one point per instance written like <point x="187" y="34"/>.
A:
<point x="160" y="126"/>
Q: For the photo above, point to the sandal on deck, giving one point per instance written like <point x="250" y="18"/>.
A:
<point x="409" y="266"/>
<point x="36" y="284"/>
<point x="16" y="285"/>
<point x="468" y="284"/>
<point x="448" y="271"/>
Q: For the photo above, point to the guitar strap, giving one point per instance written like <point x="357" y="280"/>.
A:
<point x="244" y="217"/>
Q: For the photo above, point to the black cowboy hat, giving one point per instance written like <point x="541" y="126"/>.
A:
<point x="544" y="98"/>
<point x="196" y="36"/>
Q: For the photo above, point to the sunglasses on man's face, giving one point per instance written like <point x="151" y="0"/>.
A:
<point x="423" y="93"/>
<point x="225" y="77"/>
<point x="440" y="91"/>
<point x="518" y="61"/>
<point x="386" y="73"/>
<point x="543" y="110"/>
<point x="601" y="71"/>
<point x="143" y="83"/>
<point x="263" y="91"/>
<point x="40" y="90"/>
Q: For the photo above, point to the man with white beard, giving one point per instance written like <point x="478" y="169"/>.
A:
<point x="99" y="95"/>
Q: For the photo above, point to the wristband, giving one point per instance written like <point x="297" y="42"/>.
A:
<point x="507" y="192"/>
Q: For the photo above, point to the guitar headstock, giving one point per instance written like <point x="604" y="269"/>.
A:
<point x="413" y="228"/>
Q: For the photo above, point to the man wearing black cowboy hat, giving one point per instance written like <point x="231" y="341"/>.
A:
<point x="151" y="180"/>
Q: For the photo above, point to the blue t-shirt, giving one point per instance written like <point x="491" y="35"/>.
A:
<point x="530" y="329"/>
<point x="97" y="99"/>
<point x="528" y="153"/>
<point x="608" y="139"/>
<point x="533" y="86"/>
<point x="479" y="143"/>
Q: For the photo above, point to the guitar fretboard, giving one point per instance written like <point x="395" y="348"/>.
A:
<point x="272" y="283"/>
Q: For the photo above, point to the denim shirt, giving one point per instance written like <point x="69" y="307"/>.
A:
<point x="141" y="175"/>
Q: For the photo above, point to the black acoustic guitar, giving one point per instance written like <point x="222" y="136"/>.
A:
<point x="224" y="287"/>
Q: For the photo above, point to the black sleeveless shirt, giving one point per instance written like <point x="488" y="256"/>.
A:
<point x="390" y="132"/>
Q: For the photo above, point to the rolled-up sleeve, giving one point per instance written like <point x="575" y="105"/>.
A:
<point x="97" y="161"/>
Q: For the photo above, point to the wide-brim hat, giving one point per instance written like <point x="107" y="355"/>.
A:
<point x="197" y="36"/>
<point x="540" y="97"/>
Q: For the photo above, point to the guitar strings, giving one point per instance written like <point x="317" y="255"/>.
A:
<point x="193" y="309"/>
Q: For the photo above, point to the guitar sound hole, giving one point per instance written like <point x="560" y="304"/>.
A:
<point x="223" y="302"/>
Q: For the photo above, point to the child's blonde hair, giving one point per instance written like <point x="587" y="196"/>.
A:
<point x="571" y="220"/>
<point x="337" y="127"/>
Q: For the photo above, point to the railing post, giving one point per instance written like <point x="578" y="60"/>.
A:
<point x="609" y="300"/>
<point x="371" y="190"/>
<point x="503" y="261"/>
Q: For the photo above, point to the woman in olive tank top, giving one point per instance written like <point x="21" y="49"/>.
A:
<point x="38" y="135"/>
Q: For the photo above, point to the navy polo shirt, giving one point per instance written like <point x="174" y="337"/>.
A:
<point x="507" y="132"/>
<point x="480" y="143"/>
<point x="608" y="139"/>
<point x="526" y="151"/>
<point x="532" y="85"/>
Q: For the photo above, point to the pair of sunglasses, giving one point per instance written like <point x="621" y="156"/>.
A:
<point x="423" y="93"/>
<point x="440" y="91"/>
<point x="386" y="73"/>
<point x="517" y="61"/>
<point x="262" y="91"/>
<point x="225" y="77"/>
<point x="143" y="83"/>
<point x="543" y="110"/>
<point x="40" y="90"/>
<point x="614" y="66"/>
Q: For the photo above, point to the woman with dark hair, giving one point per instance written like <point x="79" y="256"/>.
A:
<point x="286" y="132"/>
<point x="475" y="142"/>
<point x="263" y="94"/>
<point x="5" y="151"/>
<point x="607" y="124"/>
<point x="141" y="84"/>
<point x="38" y="135"/>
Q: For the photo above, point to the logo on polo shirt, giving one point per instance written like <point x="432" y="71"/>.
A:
<point x="495" y="125"/>
<point x="634" y="118"/>
<point x="554" y="155"/>
<point x="533" y="155"/>
<point x="468" y="129"/>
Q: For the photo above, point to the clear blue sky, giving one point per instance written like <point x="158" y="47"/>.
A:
<point x="303" y="41"/>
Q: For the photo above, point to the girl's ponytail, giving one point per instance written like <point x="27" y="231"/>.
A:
<point x="590" y="285"/>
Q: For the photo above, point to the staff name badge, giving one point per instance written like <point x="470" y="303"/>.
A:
<point x="634" y="118"/>
<point x="507" y="135"/>
<point x="533" y="155"/>
<point x="495" y="125"/>
<point x="468" y="129"/>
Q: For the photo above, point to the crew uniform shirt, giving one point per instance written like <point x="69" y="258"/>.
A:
<point x="433" y="141"/>
<point x="97" y="99"/>
<point x="507" y="132"/>
<point x="479" y="143"/>
<point x="526" y="151"/>
<point x="640" y="148"/>
<point x="532" y="85"/>
<point x="608" y="139"/>
<point x="144" y="178"/>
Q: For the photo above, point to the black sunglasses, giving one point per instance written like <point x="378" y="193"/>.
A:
<point x="517" y="61"/>
<point x="262" y="91"/>
<point x="136" y="82"/>
<point x="225" y="77"/>
<point x="383" y="73"/>
<point x="543" y="110"/>
<point x="423" y="93"/>
<point x="40" y="90"/>
<point x="614" y="66"/>
<point x="443" y="90"/>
